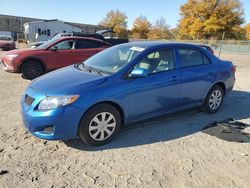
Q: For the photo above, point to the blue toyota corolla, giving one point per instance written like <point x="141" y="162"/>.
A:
<point x="126" y="83"/>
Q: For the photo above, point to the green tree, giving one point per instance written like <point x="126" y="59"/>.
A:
<point x="117" y="21"/>
<point x="160" y="30"/>
<point x="141" y="28"/>
<point x="210" y="18"/>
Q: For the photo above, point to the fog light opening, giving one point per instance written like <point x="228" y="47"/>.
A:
<point x="49" y="129"/>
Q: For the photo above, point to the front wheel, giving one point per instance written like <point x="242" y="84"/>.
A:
<point x="32" y="69"/>
<point x="99" y="125"/>
<point x="214" y="99"/>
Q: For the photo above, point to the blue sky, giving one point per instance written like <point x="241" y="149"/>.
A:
<point x="93" y="11"/>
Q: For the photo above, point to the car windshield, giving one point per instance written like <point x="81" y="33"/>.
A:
<point x="111" y="60"/>
<point x="5" y="37"/>
<point x="59" y="35"/>
<point x="48" y="43"/>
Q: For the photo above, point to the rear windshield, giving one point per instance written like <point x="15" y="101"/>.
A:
<point x="5" y="37"/>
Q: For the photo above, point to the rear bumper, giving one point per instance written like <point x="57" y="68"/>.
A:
<point x="230" y="84"/>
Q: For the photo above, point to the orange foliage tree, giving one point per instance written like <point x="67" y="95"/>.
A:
<point x="117" y="21"/>
<point x="160" y="30"/>
<point x="141" y="28"/>
<point x="203" y="19"/>
<point x="247" y="28"/>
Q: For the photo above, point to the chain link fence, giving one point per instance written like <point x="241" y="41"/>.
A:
<point x="228" y="46"/>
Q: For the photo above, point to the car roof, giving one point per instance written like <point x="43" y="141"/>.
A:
<point x="154" y="44"/>
<point x="78" y="37"/>
<point x="80" y="34"/>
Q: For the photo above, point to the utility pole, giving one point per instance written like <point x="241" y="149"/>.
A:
<point x="222" y="40"/>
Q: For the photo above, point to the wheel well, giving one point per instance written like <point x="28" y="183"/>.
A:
<point x="222" y="85"/>
<point x="31" y="59"/>
<point x="118" y="107"/>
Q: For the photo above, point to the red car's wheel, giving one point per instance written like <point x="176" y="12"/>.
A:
<point x="32" y="69"/>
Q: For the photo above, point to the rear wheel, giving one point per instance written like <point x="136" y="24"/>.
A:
<point x="214" y="99"/>
<point x="32" y="69"/>
<point x="99" y="125"/>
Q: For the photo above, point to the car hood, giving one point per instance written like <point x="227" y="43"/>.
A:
<point x="66" y="81"/>
<point x="18" y="51"/>
<point x="40" y="42"/>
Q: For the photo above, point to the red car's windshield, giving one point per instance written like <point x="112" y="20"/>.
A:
<point x="48" y="43"/>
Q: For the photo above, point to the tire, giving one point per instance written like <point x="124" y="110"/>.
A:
<point x="213" y="100"/>
<point x="32" y="69"/>
<point x="99" y="125"/>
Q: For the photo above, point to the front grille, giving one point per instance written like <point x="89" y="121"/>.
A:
<point x="28" y="99"/>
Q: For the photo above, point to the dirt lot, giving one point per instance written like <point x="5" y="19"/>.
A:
<point x="170" y="152"/>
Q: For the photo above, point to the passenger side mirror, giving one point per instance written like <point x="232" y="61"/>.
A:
<point x="139" y="73"/>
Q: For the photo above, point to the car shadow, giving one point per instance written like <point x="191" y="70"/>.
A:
<point x="173" y="126"/>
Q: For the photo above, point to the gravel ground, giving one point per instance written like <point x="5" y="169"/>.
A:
<point x="169" y="151"/>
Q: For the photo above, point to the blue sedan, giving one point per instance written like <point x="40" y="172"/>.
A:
<point x="126" y="83"/>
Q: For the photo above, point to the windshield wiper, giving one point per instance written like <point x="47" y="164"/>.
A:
<point x="98" y="71"/>
<point x="89" y="69"/>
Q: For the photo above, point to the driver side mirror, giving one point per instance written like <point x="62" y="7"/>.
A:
<point x="139" y="73"/>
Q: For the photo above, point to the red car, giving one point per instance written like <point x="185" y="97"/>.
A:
<point x="7" y="42"/>
<point x="51" y="55"/>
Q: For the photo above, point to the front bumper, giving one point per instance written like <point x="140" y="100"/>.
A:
<point x="61" y="122"/>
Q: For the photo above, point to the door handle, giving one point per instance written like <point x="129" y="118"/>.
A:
<point x="166" y="82"/>
<point x="173" y="78"/>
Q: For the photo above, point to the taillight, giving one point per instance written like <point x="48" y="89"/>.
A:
<point x="233" y="69"/>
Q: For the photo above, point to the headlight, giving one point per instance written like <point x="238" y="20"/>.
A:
<point x="12" y="56"/>
<point x="49" y="103"/>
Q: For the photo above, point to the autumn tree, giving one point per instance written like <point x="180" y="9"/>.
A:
<point x="117" y="21"/>
<point x="247" y="29"/>
<point x="210" y="18"/>
<point x="175" y="32"/>
<point x="141" y="28"/>
<point x="160" y="30"/>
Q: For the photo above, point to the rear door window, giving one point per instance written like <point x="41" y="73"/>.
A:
<point x="192" y="57"/>
<point x="84" y="44"/>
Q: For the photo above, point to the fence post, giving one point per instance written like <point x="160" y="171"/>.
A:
<point x="222" y="40"/>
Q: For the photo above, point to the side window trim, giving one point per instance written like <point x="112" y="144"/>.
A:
<point x="205" y="56"/>
<point x="74" y="44"/>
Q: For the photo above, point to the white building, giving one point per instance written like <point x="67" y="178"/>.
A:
<point x="45" y="30"/>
